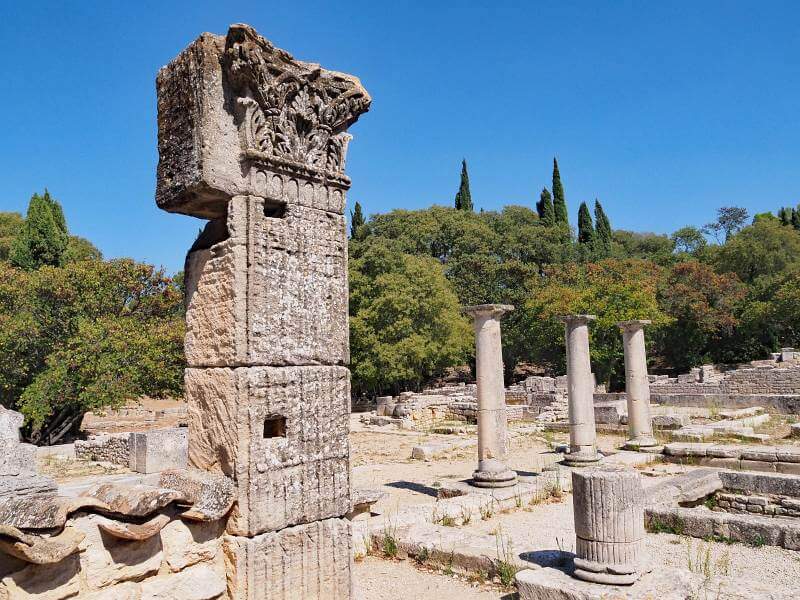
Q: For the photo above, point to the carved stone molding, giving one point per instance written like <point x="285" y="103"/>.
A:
<point x="292" y="115"/>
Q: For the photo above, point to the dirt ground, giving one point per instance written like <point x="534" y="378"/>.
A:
<point x="378" y="579"/>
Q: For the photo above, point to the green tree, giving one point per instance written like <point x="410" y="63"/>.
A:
<point x="51" y="309"/>
<point x="464" y="196"/>
<point x="689" y="240"/>
<point x="703" y="307"/>
<point x="651" y="246"/>
<point x="79" y="248"/>
<point x="785" y="215"/>
<point x="585" y="226"/>
<point x="357" y="220"/>
<point x="43" y="239"/>
<point x="763" y="249"/>
<point x="559" y="200"/>
<point x="730" y="219"/>
<point x="544" y="207"/>
<point x="796" y="217"/>
<point x="11" y="224"/>
<point x="614" y="290"/>
<point x="405" y="321"/>
<point x="604" y="235"/>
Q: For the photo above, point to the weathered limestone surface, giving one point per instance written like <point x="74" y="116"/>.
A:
<point x="256" y="141"/>
<point x="293" y="269"/>
<point x="158" y="450"/>
<point x="637" y="385"/>
<point x="18" y="475"/>
<point x="225" y="101"/>
<point x="307" y="562"/>
<point x="492" y="421"/>
<point x="608" y="505"/>
<point x="300" y="472"/>
<point x="580" y="383"/>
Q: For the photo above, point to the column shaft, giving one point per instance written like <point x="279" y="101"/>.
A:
<point x="637" y="386"/>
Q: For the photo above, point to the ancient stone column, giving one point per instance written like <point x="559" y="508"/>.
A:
<point x="608" y="506"/>
<point x="637" y="386"/>
<point x="255" y="141"/>
<point x="492" y="423"/>
<point x="580" y="388"/>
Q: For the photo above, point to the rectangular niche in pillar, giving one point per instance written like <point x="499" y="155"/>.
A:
<point x="281" y="433"/>
<point x="274" y="292"/>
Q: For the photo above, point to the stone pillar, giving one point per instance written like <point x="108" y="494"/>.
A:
<point x="580" y="387"/>
<point x="608" y="506"/>
<point x="255" y="141"/>
<point x="637" y="386"/>
<point x="492" y="423"/>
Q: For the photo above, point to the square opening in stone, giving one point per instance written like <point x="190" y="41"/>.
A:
<point x="274" y="426"/>
<point x="274" y="210"/>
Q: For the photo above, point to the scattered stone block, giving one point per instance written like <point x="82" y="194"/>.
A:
<point x="158" y="450"/>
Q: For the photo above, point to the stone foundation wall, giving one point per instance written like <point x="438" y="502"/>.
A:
<point x="773" y="506"/>
<point x="112" y="447"/>
<point x="184" y="561"/>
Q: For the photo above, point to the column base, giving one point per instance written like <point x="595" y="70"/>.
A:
<point x="582" y="458"/>
<point x="642" y="443"/>
<point x="494" y="479"/>
<point x="595" y="572"/>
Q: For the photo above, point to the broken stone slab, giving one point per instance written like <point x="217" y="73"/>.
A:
<point x="687" y="449"/>
<point x="761" y="483"/>
<point x="134" y="531"/>
<point x="158" y="450"/>
<point x="17" y="459"/>
<point x="692" y="433"/>
<point x="688" y="488"/>
<point x="674" y="421"/>
<point x="136" y="500"/>
<point x="37" y="549"/>
<point x="741" y="413"/>
<point x="211" y="495"/>
<point x="27" y="485"/>
<point x="430" y="451"/>
<point x="43" y="512"/>
<point x="362" y="501"/>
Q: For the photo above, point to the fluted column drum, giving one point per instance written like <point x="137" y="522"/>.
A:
<point x="608" y="505"/>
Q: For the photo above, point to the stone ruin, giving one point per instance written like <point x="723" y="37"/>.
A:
<point x="254" y="141"/>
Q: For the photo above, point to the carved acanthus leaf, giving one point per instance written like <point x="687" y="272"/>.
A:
<point x="290" y="110"/>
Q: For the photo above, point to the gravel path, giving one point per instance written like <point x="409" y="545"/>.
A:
<point x="377" y="579"/>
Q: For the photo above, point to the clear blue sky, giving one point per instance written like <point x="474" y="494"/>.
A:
<point x="665" y="111"/>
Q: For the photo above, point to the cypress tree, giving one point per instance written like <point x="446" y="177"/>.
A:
<point x="357" y="220"/>
<point x="545" y="208"/>
<point x="602" y="229"/>
<point x="559" y="201"/>
<point x="585" y="228"/>
<point x="796" y="218"/>
<point x="785" y="215"/>
<point x="43" y="238"/>
<point x="464" y="197"/>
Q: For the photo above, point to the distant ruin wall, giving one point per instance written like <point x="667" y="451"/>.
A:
<point x="113" y="448"/>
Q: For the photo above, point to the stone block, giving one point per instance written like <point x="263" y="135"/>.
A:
<point x="17" y="459"/>
<point x="281" y="433"/>
<point x="761" y="483"/>
<point x="609" y="413"/>
<point x="757" y="465"/>
<point x="306" y="562"/>
<point x="687" y="449"/>
<point x="789" y="454"/>
<point x="787" y="468"/>
<point x="292" y="267"/>
<point x="200" y="582"/>
<point x="724" y="451"/>
<point x="767" y="454"/>
<point x="158" y="450"/>
<point x="10" y="423"/>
